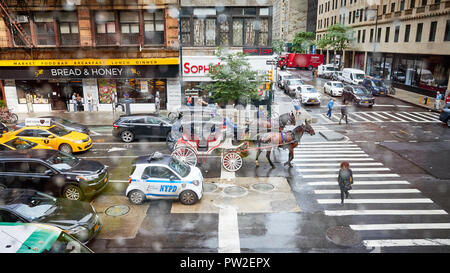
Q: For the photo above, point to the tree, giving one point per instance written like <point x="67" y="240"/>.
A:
<point x="337" y="38"/>
<point x="278" y="47"/>
<point x="234" y="80"/>
<point x="303" y="41"/>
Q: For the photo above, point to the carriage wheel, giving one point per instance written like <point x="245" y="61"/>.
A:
<point x="232" y="161"/>
<point x="185" y="155"/>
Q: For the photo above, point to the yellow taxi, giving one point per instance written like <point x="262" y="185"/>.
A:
<point x="42" y="131"/>
<point x="18" y="143"/>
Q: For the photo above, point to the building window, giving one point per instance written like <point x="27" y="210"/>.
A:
<point x="407" y="31"/>
<point x="392" y="7"/>
<point x="371" y="35"/>
<point x="419" y="32"/>
<point x="363" y="36"/>
<point x="384" y="9"/>
<point x="447" y="31"/>
<point x="105" y="28"/>
<point x="379" y="35"/>
<point x="396" y="34"/>
<point x="386" y="38"/>
<point x="402" y="5"/>
<point x="433" y="28"/>
<point x="45" y="28"/>
<point x="359" y="35"/>
<point x="154" y="27"/>
<point x="424" y="2"/>
<point x="129" y="27"/>
<point x="354" y="15"/>
<point x="412" y="4"/>
<point x="68" y="29"/>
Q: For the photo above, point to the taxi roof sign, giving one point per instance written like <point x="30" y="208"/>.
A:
<point x="38" y="122"/>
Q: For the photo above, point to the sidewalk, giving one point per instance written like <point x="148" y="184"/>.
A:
<point x="414" y="98"/>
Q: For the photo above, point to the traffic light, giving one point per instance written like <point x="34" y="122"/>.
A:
<point x="270" y="75"/>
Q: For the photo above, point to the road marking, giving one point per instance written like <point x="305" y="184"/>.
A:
<point x="378" y="114"/>
<point x="376" y="191"/>
<point x="337" y="164"/>
<point x="372" y="117"/>
<point x="228" y="231"/>
<point x="306" y="155"/>
<point x="377" y="201"/>
<point x="326" y="146"/>
<point x="406" y="117"/>
<point x="355" y="175"/>
<point x="384" y="212"/>
<point x="415" y="116"/>
<point x="399" y="119"/>
<point x="325" y="142"/>
<point x="392" y="182"/>
<point x="132" y="143"/>
<point x="327" y="152"/>
<point x="313" y="149"/>
<point x="357" y="115"/>
<point x="111" y="156"/>
<point x="401" y="226"/>
<point x="328" y="170"/>
<point x="306" y="159"/>
<point x="406" y="242"/>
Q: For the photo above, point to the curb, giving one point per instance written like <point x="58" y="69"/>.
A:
<point x="416" y="104"/>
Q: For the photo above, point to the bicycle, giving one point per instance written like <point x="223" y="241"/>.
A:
<point x="7" y="116"/>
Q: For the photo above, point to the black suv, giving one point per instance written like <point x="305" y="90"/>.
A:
<point x="52" y="172"/>
<point x="358" y="94"/>
<point x="139" y="126"/>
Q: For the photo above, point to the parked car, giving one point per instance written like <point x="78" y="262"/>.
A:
<point x="376" y="86"/>
<point x="358" y="94"/>
<point x="398" y="76"/>
<point x="77" y="218"/>
<point x="291" y="86"/>
<point x="66" y="124"/>
<point x="41" y="131"/>
<point x="3" y="128"/>
<point x="325" y="70"/>
<point x="353" y="76"/>
<point x="308" y="94"/>
<point x="37" y="238"/>
<point x="445" y="114"/>
<point x="18" y="143"/>
<point x="282" y="77"/>
<point x="334" y="88"/>
<point x="52" y="172"/>
<point x="141" y="126"/>
<point x="163" y="177"/>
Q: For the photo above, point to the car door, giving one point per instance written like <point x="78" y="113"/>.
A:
<point x="152" y="127"/>
<point x="15" y="174"/>
<point x="163" y="178"/>
<point x="138" y="126"/>
<point x="327" y="87"/>
<point x="40" y="176"/>
<point x="45" y="138"/>
<point x="27" y="134"/>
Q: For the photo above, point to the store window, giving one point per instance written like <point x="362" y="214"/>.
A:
<point x="138" y="90"/>
<point x="68" y="28"/>
<point x="129" y="27"/>
<point x="45" y="28"/>
<point x="154" y="27"/>
<point x="105" y="28"/>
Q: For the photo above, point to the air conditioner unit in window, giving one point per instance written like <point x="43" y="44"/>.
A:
<point x="22" y="19"/>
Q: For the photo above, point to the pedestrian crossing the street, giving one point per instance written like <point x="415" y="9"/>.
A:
<point x="383" y="116"/>
<point x="383" y="207"/>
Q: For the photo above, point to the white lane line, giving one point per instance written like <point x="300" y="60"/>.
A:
<point x="328" y="170"/>
<point x="111" y="156"/>
<point x="416" y="117"/>
<point x="401" y="226"/>
<point x="384" y="212"/>
<point x="309" y="149"/>
<point x="406" y="242"/>
<point x="355" y="175"/>
<point x="377" y="191"/>
<point x="337" y="164"/>
<point x="325" y="142"/>
<point x="372" y="117"/>
<point x="377" y="201"/>
<point x="302" y="155"/>
<point x="228" y="231"/>
<point x="132" y="143"/>
<point x="397" y="118"/>
<point x="358" y="116"/>
<point x="390" y="182"/>
<point x="327" y="146"/>
<point x="331" y="159"/>
<point x="424" y="115"/>
<point x="432" y="114"/>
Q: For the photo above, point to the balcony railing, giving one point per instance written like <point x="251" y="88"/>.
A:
<point x="420" y="10"/>
<point x="129" y="39"/>
<point x="435" y="7"/>
<point x="70" y="39"/>
<point x="106" y="39"/>
<point x="408" y="11"/>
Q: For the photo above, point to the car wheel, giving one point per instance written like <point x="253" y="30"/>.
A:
<point x="127" y="136"/>
<point x="2" y="187"/>
<point x="188" y="197"/>
<point x="65" y="148"/>
<point x="448" y="122"/>
<point x="73" y="192"/>
<point x="136" y="197"/>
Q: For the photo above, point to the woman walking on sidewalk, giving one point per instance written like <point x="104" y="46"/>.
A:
<point x="345" y="180"/>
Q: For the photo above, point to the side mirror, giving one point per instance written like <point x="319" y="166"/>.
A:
<point x="172" y="177"/>
<point x="51" y="136"/>
<point x="49" y="172"/>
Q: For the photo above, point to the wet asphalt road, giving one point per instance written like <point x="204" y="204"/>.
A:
<point x="402" y="204"/>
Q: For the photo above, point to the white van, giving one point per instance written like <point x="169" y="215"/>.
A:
<point x="325" y="70"/>
<point x="282" y="76"/>
<point x="353" y="76"/>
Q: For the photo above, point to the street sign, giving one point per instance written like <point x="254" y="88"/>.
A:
<point x="271" y="62"/>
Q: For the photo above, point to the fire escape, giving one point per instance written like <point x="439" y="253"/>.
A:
<point x="13" y="21"/>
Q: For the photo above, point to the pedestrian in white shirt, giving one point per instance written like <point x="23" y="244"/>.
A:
<point x="296" y="103"/>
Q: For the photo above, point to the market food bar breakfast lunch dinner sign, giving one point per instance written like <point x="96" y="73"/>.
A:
<point x="89" y="68"/>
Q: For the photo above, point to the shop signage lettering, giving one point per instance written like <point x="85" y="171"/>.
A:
<point x="66" y="72"/>
<point x="194" y="69"/>
<point x="259" y="51"/>
<point x="89" y="62"/>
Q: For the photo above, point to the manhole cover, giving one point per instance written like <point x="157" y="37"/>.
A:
<point x="343" y="236"/>
<point x="117" y="210"/>
<point x="235" y="191"/>
<point x="209" y="187"/>
<point x="263" y="187"/>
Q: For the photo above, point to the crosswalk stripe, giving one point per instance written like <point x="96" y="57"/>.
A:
<point x="390" y="182"/>
<point x="328" y="170"/>
<point x="380" y="115"/>
<point x="399" y="119"/>
<point x="384" y="212"/>
<point x="357" y="115"/>
<point x="372" y="117"/>
<point x="318" y="152"/>
<point x="406" y="242"/>
<point x="337" y="164"/>
<point x="327" y="149"/>
<point x="415" y="116"/>
<point x="374" y="191"/>
<point x="401" y="226"/>
<point x="355" y="175"/>
<point x="424" y="114"/>
<point x="300" y="155"/>
<point x="406" y="117"/>
<point x="326" y="146"/>
<point x="377" y="201"/>
<point x="325" y="142"/>
<point x="432" y="114"/>
<point x="330" y="159"/>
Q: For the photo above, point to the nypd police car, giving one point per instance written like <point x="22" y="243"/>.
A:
<point x="161" y="176"/>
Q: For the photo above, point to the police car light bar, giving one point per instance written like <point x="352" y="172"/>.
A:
<point x="38" y="122"/>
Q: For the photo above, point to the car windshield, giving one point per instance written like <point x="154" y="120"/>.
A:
<point x="59" y="131"/>
<point x="295" y="82"/>
<point x="427" y="76"/>
<point x="20" y="144"/>
<point x="182" y="169"/>
<point x="63" y="121"/>
<point x="358" y="76"/>
<point x="400" y="73"/>
<point x="330" y="68"/>
<point x="379" y="84"/>
<point x="167" y="120"/>
<point x="309" y="90"/>
<point x="36" y="206"/>
<point x="62" y="161"/>
<point x="361" y="91"/>
<point x="338" y="85"/>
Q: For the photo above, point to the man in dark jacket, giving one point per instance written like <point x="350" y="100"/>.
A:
<point x="344" y="113"/>
<point x="345" y="179"/>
